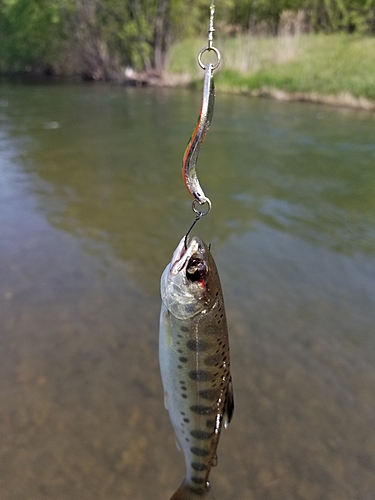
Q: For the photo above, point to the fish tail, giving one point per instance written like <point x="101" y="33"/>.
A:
<point x="186" y="493"/>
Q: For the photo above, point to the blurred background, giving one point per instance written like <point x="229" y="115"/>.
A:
<point x="314" y="48"/>
<point x="92" y="206"/>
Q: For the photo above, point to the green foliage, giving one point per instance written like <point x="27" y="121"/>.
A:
<point x="98" y="38"/>
<point x="342" y="15"/>
<point x="324" y="64"/>
<point x="338" y="64"/>
<point x="31" y="31"/>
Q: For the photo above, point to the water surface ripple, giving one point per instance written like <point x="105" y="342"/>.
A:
<point x="92" y="205"/>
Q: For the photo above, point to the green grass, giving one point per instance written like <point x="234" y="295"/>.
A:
<point x="323" y="64"/>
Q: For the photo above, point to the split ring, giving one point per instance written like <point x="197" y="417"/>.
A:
<point x="201" y="52"/>
<point x="199" y="213"/>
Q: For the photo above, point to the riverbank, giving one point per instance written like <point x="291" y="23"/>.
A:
<point x="332" y="69"/>
<point x="337" y="69"/>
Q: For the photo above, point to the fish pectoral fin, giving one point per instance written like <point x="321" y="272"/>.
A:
<point x="229" y="404"/>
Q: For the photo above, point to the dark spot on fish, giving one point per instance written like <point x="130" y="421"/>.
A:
<point x="200" y="452"/>
<point x="202" y="409"/>
<point x="198" y="480"/>
<point x="197" y="345"/>
<point x="199" y="434"/>
<point x="182" y="412"/>
<point x="217" y="293"/>
<point x="184" y="396"/>
<point x="182" y="359"/>
<point x="179" y="366"/>
<point x="198" y="466"/>
<point x="210" y="393"/>
<point x="184" y="329"/>
<point x="182" y="381"/>
<point x="221" y="315"/>
<point x="219" y="322"/>
<point x="211" y="360"/>
<point x="183" y="388"/>
<point x="180" y="351"/>
<point x="186" y="420"/>
<point x="201" y="375"/>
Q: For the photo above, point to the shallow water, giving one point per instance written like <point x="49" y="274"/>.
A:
<point x="92" y="205"/>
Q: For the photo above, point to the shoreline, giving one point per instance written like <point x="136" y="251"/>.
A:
<point x="174" y="80"/>
<point x="336" y="69"/>
<point x="343" y="100"/>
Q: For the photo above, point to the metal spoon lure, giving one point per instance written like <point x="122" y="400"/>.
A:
<point x="189" y="163"/>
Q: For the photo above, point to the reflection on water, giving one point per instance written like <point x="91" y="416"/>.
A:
<point x="92" y="205"/>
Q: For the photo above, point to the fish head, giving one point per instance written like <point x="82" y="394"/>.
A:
<point x="186" y="282"/>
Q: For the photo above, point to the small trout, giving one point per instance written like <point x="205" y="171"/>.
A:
<point x="194" y="361"/>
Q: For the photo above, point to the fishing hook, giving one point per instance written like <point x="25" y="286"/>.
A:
<point x="198" y="215"/>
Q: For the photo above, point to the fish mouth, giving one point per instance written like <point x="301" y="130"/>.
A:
<point x="184" y="280"/>
<point x="184" y="253"/>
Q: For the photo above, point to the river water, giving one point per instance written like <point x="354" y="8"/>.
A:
<point x="92" y="205"/>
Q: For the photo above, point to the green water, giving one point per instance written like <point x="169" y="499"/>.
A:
<point x="92" y="205"/>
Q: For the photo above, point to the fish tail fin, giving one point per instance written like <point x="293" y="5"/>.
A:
<point x="186" y="493"/>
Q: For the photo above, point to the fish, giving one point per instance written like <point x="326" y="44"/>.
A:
<point x="194" y="361"/>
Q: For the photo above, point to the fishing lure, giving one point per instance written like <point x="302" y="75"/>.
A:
<point x="189" y="163"/>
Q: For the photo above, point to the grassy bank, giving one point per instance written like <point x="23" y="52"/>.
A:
<point x="321" y="67"/>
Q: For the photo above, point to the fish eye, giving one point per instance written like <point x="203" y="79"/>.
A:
<point x="196" y="269"/>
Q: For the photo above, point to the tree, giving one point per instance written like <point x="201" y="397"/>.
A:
<point x="99" y="38"/>
<point x="31" y="32"/>
<point x="342" y="15"/>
